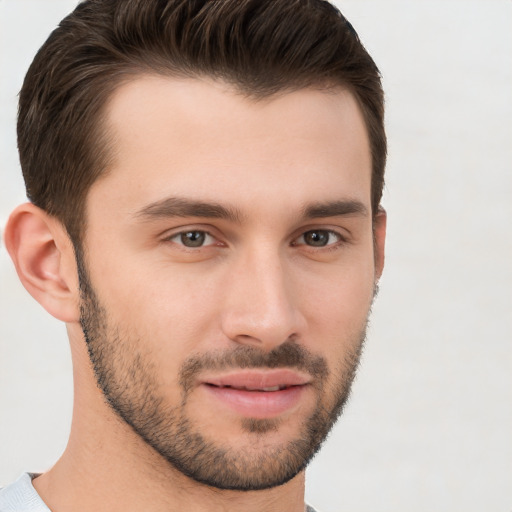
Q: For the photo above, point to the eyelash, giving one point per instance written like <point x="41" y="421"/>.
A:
<point x="181" y="234"/>
<point x="328" y="246"/>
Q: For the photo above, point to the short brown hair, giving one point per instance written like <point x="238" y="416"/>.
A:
<point x="260" y="46"/>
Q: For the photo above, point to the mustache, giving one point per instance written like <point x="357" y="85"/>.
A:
<point x="287" y="355"/>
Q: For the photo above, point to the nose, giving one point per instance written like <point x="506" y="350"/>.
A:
<point x="260" y="308"/>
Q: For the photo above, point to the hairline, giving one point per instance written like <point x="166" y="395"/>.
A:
<point x="104" y="139"/>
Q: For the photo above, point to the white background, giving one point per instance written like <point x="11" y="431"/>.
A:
<point x="429" y="425"/>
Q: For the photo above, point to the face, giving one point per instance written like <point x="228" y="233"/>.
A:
<point x="228" y="273"/>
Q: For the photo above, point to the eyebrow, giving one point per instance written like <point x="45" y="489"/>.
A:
<point x="181" y="207"/>
<point x="334" y="209"/>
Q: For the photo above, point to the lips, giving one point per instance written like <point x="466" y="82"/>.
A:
<point x="258" y="394"/>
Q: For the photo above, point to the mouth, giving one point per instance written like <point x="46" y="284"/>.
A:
<point x="258" y="394"/>
<point x="259" y="380"/>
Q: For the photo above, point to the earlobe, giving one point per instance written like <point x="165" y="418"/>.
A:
<point x="44" y="259"/>
<point x="379" y="235"/>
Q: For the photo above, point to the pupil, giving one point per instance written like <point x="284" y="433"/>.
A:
<point x="316" y="238"/>
<point x="193" y="238"/>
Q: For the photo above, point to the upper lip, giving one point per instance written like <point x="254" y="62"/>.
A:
<point x="262" y="380"/>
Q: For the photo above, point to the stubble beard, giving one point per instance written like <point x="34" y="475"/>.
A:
<point x="127" y="377"/>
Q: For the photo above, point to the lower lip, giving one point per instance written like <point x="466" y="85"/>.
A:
<point x="258" y="404"/>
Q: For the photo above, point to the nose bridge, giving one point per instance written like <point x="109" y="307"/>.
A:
<point x="260" y="306"/>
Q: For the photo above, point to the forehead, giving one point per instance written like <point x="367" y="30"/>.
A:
<point x="202" y="138"/>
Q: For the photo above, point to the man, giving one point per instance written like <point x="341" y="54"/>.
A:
<point x="205" y="181"/>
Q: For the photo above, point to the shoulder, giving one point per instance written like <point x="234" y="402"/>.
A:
<point x="20" y="496"/>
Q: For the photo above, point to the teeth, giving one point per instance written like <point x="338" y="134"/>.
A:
<point x="273" y="388"/>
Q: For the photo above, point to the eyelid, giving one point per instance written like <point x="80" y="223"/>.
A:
<point x="176" y="238"/>
<point x="170" y="234"/>
<point x="339" y="238"/>
<point x="343" y="235"/>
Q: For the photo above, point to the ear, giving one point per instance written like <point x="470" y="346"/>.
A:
<point x="379" y="237"/>
<point x="44" y="259"/>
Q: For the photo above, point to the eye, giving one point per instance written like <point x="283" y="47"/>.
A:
<point x="318" y="238"/>
<point x="192" y="239"/>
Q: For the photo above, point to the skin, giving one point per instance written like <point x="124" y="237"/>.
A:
<point x="255" y="283"/>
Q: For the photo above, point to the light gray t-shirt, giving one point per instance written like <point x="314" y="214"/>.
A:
<point x="21" y="496"/>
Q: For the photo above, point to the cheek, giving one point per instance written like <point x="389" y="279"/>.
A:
<point x="337" y="310"/>
<point x="173" y="313"/>
<point x="339" y="299"/>
<point x="145" y="285"/>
